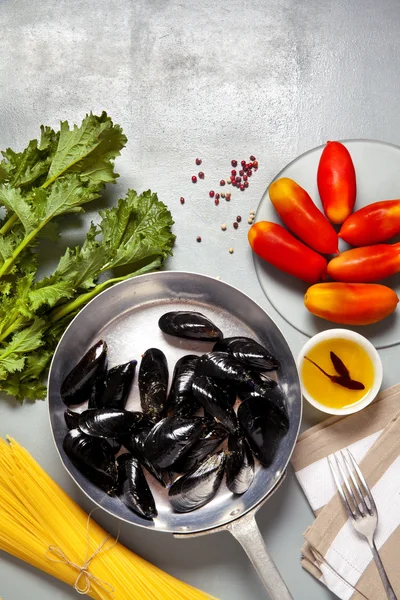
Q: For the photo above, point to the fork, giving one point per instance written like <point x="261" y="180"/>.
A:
<point x="360" y="505"/>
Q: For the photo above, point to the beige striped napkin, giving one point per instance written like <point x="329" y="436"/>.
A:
<point x="333" y="552"/>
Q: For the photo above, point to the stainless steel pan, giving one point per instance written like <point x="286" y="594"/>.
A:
<point x="126" y="316"/>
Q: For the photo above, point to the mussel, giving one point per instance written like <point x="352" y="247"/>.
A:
<point x="248" y="352"/>
<point x="239" y="467"/>
<point x="180" y="399"/>
<point x="133" y="488"/>
<point x="189" y="324"/>
<point x="262" y="424"/>
<point x="72" y="422"/>
<point x="135" y="444"/>
<point x="208" y="441"/>
<point x="134" y="441"/>
<point x="222" y="365"/>
<point x="228" y="388"/>
<point x="153" y="383"/>
<point x="71" y="419"/>
<point x="170" y="438"/>
<point x="215" y="402"/>
<point x="97" y="390"/>
<point x="77" y="385"/>
<point x="198" y="486"/>
<point x="93" y="457"/>
<point x="116" y="386"/>
<point x="109" y="422"/>
<point x="115" y="445"/>
<point x="275" y="397"/>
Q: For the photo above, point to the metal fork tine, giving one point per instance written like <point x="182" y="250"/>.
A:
<point x="350" y="470"/>
<point x="345" y="477"/>
<point x="364" y="484"/>
<point x="339" y="487"/>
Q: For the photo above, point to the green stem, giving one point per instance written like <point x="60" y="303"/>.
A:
<point x="66" y="309"/>
<point x="25" y="242"/>
<point x="8" y="224"/>
<point x="14" y="325"/>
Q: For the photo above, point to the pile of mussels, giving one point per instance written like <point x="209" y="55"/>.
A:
<point x="176" y="447"/>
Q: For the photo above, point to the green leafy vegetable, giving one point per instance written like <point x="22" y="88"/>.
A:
<point x="57" y="176"/>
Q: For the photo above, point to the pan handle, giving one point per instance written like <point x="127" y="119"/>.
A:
<point x="246" y="532"/>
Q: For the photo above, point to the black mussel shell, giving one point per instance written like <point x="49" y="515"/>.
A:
<point x="189" y="324"/>
<point x="170" y="438"/>
<point x="209" y="441"/>
<point x="135" y="440"/>
<point x="76" y="387"/>
<point x="215" y="402"/>
<point x="222" y="365"/>
<point x="117" y="386"/>
<point x="115" y="445"/>
<point x="180" y="399"/>
<point x="71" y="419"/>
<point x="259" y="383"/>
<point x="198" y="486"/>
<point x="239" y="467"/>
<point x="228" y="388"/>
<point x="133" y="488"/>
<point x="97" y="390"/>
<point x="93" y="457"/>
<point x="109" y="422"/>
<point x="274" y="396"/>
<point x="135" y="444"/>
<point x="72" y="422"/>
<point x="153" y="383"/>
<point x="262" y="426"/>
<point x="249" y="352"/>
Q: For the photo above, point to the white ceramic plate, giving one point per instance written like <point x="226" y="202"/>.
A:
<point x="377" y="166"/>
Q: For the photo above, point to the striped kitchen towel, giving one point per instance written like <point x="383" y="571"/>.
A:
<point x="333" y="552"/>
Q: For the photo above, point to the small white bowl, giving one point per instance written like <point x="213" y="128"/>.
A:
<point x="346" y="334"/>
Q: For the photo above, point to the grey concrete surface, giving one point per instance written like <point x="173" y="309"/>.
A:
<point x="217" y="80"/>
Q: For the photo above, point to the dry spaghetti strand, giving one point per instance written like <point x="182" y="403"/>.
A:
<point x="36" y="514"/>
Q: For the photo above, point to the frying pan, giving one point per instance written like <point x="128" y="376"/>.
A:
<point x="126" y="316"/>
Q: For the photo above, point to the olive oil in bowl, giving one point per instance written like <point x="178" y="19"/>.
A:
<point x="340" y="371"/>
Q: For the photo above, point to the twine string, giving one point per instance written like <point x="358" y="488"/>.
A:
<point x="85" y="578"/>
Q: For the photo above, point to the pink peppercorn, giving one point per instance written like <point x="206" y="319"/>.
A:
<point x="243" y="163"/>
<point x="211" y="194"/>
<point x="242" y="187"/>
<point x="198" y="161"/>
<point x="252" y="157"/>
<point x="246" y="184"/>
<point x="201" y="175"/>
<point x="194" y="178"/>
<point x="234" y="163"/>
<point x="182" y="200"/>
<point x="233" y="173"/>
<point x="222" y="182"/>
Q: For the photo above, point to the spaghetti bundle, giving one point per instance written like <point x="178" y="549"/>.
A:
<point x="42" y="525"/>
